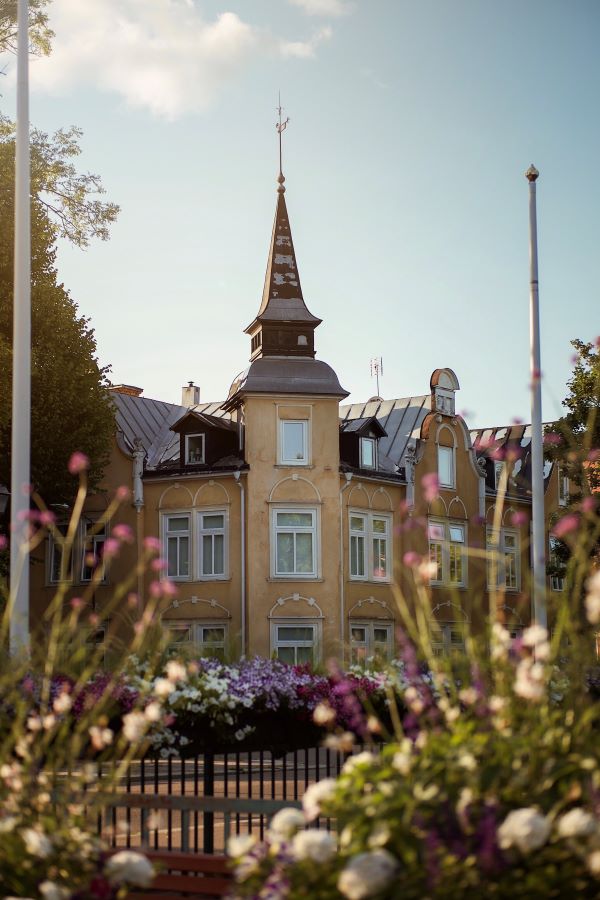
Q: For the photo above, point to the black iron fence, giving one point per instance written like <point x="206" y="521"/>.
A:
<point x="196" y="803"/>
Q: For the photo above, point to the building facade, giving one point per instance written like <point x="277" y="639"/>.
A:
<point x="296" y="525"/>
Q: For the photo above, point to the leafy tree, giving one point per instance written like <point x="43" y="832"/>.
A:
<point x="70" y="405"/>
<point x="40" y="34"/>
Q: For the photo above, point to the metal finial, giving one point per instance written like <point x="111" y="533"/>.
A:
<point x="280" y="126"/>
<point x="532" y="173"/>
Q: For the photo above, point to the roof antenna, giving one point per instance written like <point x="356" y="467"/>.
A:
<point x="280" y="126"/>
<point x="377" y="370"/>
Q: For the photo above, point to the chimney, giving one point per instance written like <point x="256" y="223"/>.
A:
<point x="129" y="389"/>
<point x="190" y="394"/>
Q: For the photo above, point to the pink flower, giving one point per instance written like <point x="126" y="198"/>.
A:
<point x="123" y="493"/>
<point x="513" y="453"/>
<point x="565" y="525"/>
<point x="517" y="421"/>
<point x="76" y="603"/>
<point x="3" y="542"/>
<point x="519" y="518"/>
<point x="498" y="453"/>
<point x="588" y="504"/>
<point x="78" y="463"/>
<point x="132" y="600"/>
<point x="412" y="559"/>
<point x="93" y="619"/>
<point x="478" y="520"/>
<point x="552" y="438"/>
<point x="46" y="517"/>
<point x="152" y="544"/>
<point x="123" y="533"/>
<point x="593" y="456"/>
<point x="431" y="486"/>
<point x="157" y="565"/>
<point x="111" y="548"/>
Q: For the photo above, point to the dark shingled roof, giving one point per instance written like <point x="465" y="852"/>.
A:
<point x="285" y="375"/>
<point x="401" y="419"/>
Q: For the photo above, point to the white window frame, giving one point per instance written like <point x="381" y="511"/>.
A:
<point x="441" y="449"/>
<point x="445" y="645"/>
<point x="305" y="460"/>
<point x="201" y="532"/>
<point x="557" y="582"/>
<point x="503" y="550"/>
<point x="194" y="462"/>
<point x="313" y="530"/>
<point x="445" y="544"/>
<point x="167" y="533"/>
<point x="54" y="548"/>
<point x="373" y="442"/>
<point x="277" y="642"/>
<point x="564" y="494"/>
<point x="195" y="630"/>
<point x="368" y="644"/>
<point x="369" y="537"/>
<point x="92" y="545"/>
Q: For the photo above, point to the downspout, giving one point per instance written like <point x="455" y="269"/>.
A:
<point x="139" y="455"/>
<point x="348" y="476"/>
<point x="239" y="483"/>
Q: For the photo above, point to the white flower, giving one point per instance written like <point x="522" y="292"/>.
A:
<point x="530" y="680"/>
<point x="576" y="823"/>
<point x="402" y="762"/>
<point x="323" y="714"/>
<point x="240" y="844"/>
<point x="366" y="758"/>
<point x="593" y="863"/>
<point x="62" y="704"/>
<point x="153" y="711"/>
<point x="134" y="726"/>
<point x="592" y="600"/>
<point x="286" y="822"/>
<point x="526" y="828"/>
<point x="379" y="836"/>
<point x="52" y="891"/>
<point x="534" y="635"/>
<point x="501" y="641"/>
<point x="128" y="867"/>
<point x="315" y="795"/>
<point x="175" y="671"/>
<point x="36" y="842"/>
<point x="314" y="844"/>
<point x="7" y="823"/>
<point x="367" y="874"/>
<point x="467" y="761"/>
<point x="100" y="737"/>
<point x="468" y="696"/>
<point x="163" y="687"/>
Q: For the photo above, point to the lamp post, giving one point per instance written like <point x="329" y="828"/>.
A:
<point x="537" y="458"/>
<point x="21" y="388"/>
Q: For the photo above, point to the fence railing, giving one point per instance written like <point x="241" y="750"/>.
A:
<point x="196" y="803"/>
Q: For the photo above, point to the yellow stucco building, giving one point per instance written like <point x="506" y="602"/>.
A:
<point x="290" y="522"/>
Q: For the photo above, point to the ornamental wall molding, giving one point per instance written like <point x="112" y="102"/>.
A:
<point x="296" y="598"/>
<point x="452" y="606"/>
<point x="371" y="601"/>
<point x="176" y="604"/>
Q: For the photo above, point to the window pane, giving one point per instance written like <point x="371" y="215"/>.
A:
<point x="195" y="448"/>
<point x="172" y="556"/>
<point x="510" y="540"/>
<point x="304" y="655"/>
<point x="380" y="526"/>
<point x="207" y="560"/>
<point x="445" y="467"/>
<point x="379" y="558"/>
<point x="357" y="555"/>
<point x="294" y="633"/>
<point x="183" y="556"/>
<point x="178" y="523"/>
<point x="296" y="520"/>
<point x="213" y="635"/>
<point x="435" y="555"/>
<point x="304" y="554"/>
<point x="455" y="564"/>
<point x="285" y="553"/>
<point x="219" y="554"/>
<point x="213" y="522"/>
<point x="358" y="634"/>
<point x="436" y="531"/>
<point x="286" y="655"/>
<point x="380" y="635"/>
<point x="357" y="523"/>
<point x="457" y="534"/>
<point x="293" y="440"/>
<point x="367" y="449"/>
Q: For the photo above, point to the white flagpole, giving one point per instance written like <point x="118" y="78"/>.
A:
<point x="21" y="395"/>
<point x="537" y="458"/>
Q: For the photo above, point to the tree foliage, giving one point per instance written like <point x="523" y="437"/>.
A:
<point x="40" y="34"/>
<point x="70" y="405"/>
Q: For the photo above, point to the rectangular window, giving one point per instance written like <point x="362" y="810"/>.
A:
<point x="557" y="581"/>
<point x="447" y="638"/>
<point x="93" y="536"/>
<point x="371" y="640"/>
<point x="506" y="555"/>
<point x="194" y="449"/>
<point x="368" y="453"/>
<point x="295" y="642"/>
<point x="176" y="532"/>
<point x="204" y="638"/>
<point x="446" y="466"/>
<point x="295" y="543"/>
<point x="370" y="546"/>
<point x="212" y="536"/>
<point x="55" y="554"/>
<point x="293" y="442"/>
<point x="563" y="488"/>
<point x="447" y="549"/>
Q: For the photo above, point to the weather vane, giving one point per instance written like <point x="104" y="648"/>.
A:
<point x="281" y="126"/>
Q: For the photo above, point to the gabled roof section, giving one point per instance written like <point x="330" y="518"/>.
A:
<point x="368" y="425"/>
<point x="400" y="420"/>
<point x="282" y="299"/>
<point x="513" y="441"/>
<point x="204" y="420"/>
<point x="151" y="422"/>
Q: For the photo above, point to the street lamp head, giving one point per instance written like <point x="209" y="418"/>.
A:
<point x="532" y="173"/>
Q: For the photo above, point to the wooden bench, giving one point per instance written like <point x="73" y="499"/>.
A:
<point x="188" y="875"/>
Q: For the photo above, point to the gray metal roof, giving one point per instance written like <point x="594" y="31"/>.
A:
<point x="286" y="375"/>
<point x="401" y="419"/>
<point x="151" y="421"/>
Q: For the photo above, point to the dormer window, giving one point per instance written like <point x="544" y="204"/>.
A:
<point x="194" y="449"/>
<point x="368" y="453"/>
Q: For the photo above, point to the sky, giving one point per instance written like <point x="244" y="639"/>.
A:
<point x="411" y="127"/>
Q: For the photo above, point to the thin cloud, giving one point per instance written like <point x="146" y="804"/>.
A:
<point x="329" y="8"/>
<point x="161" y="56"/>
